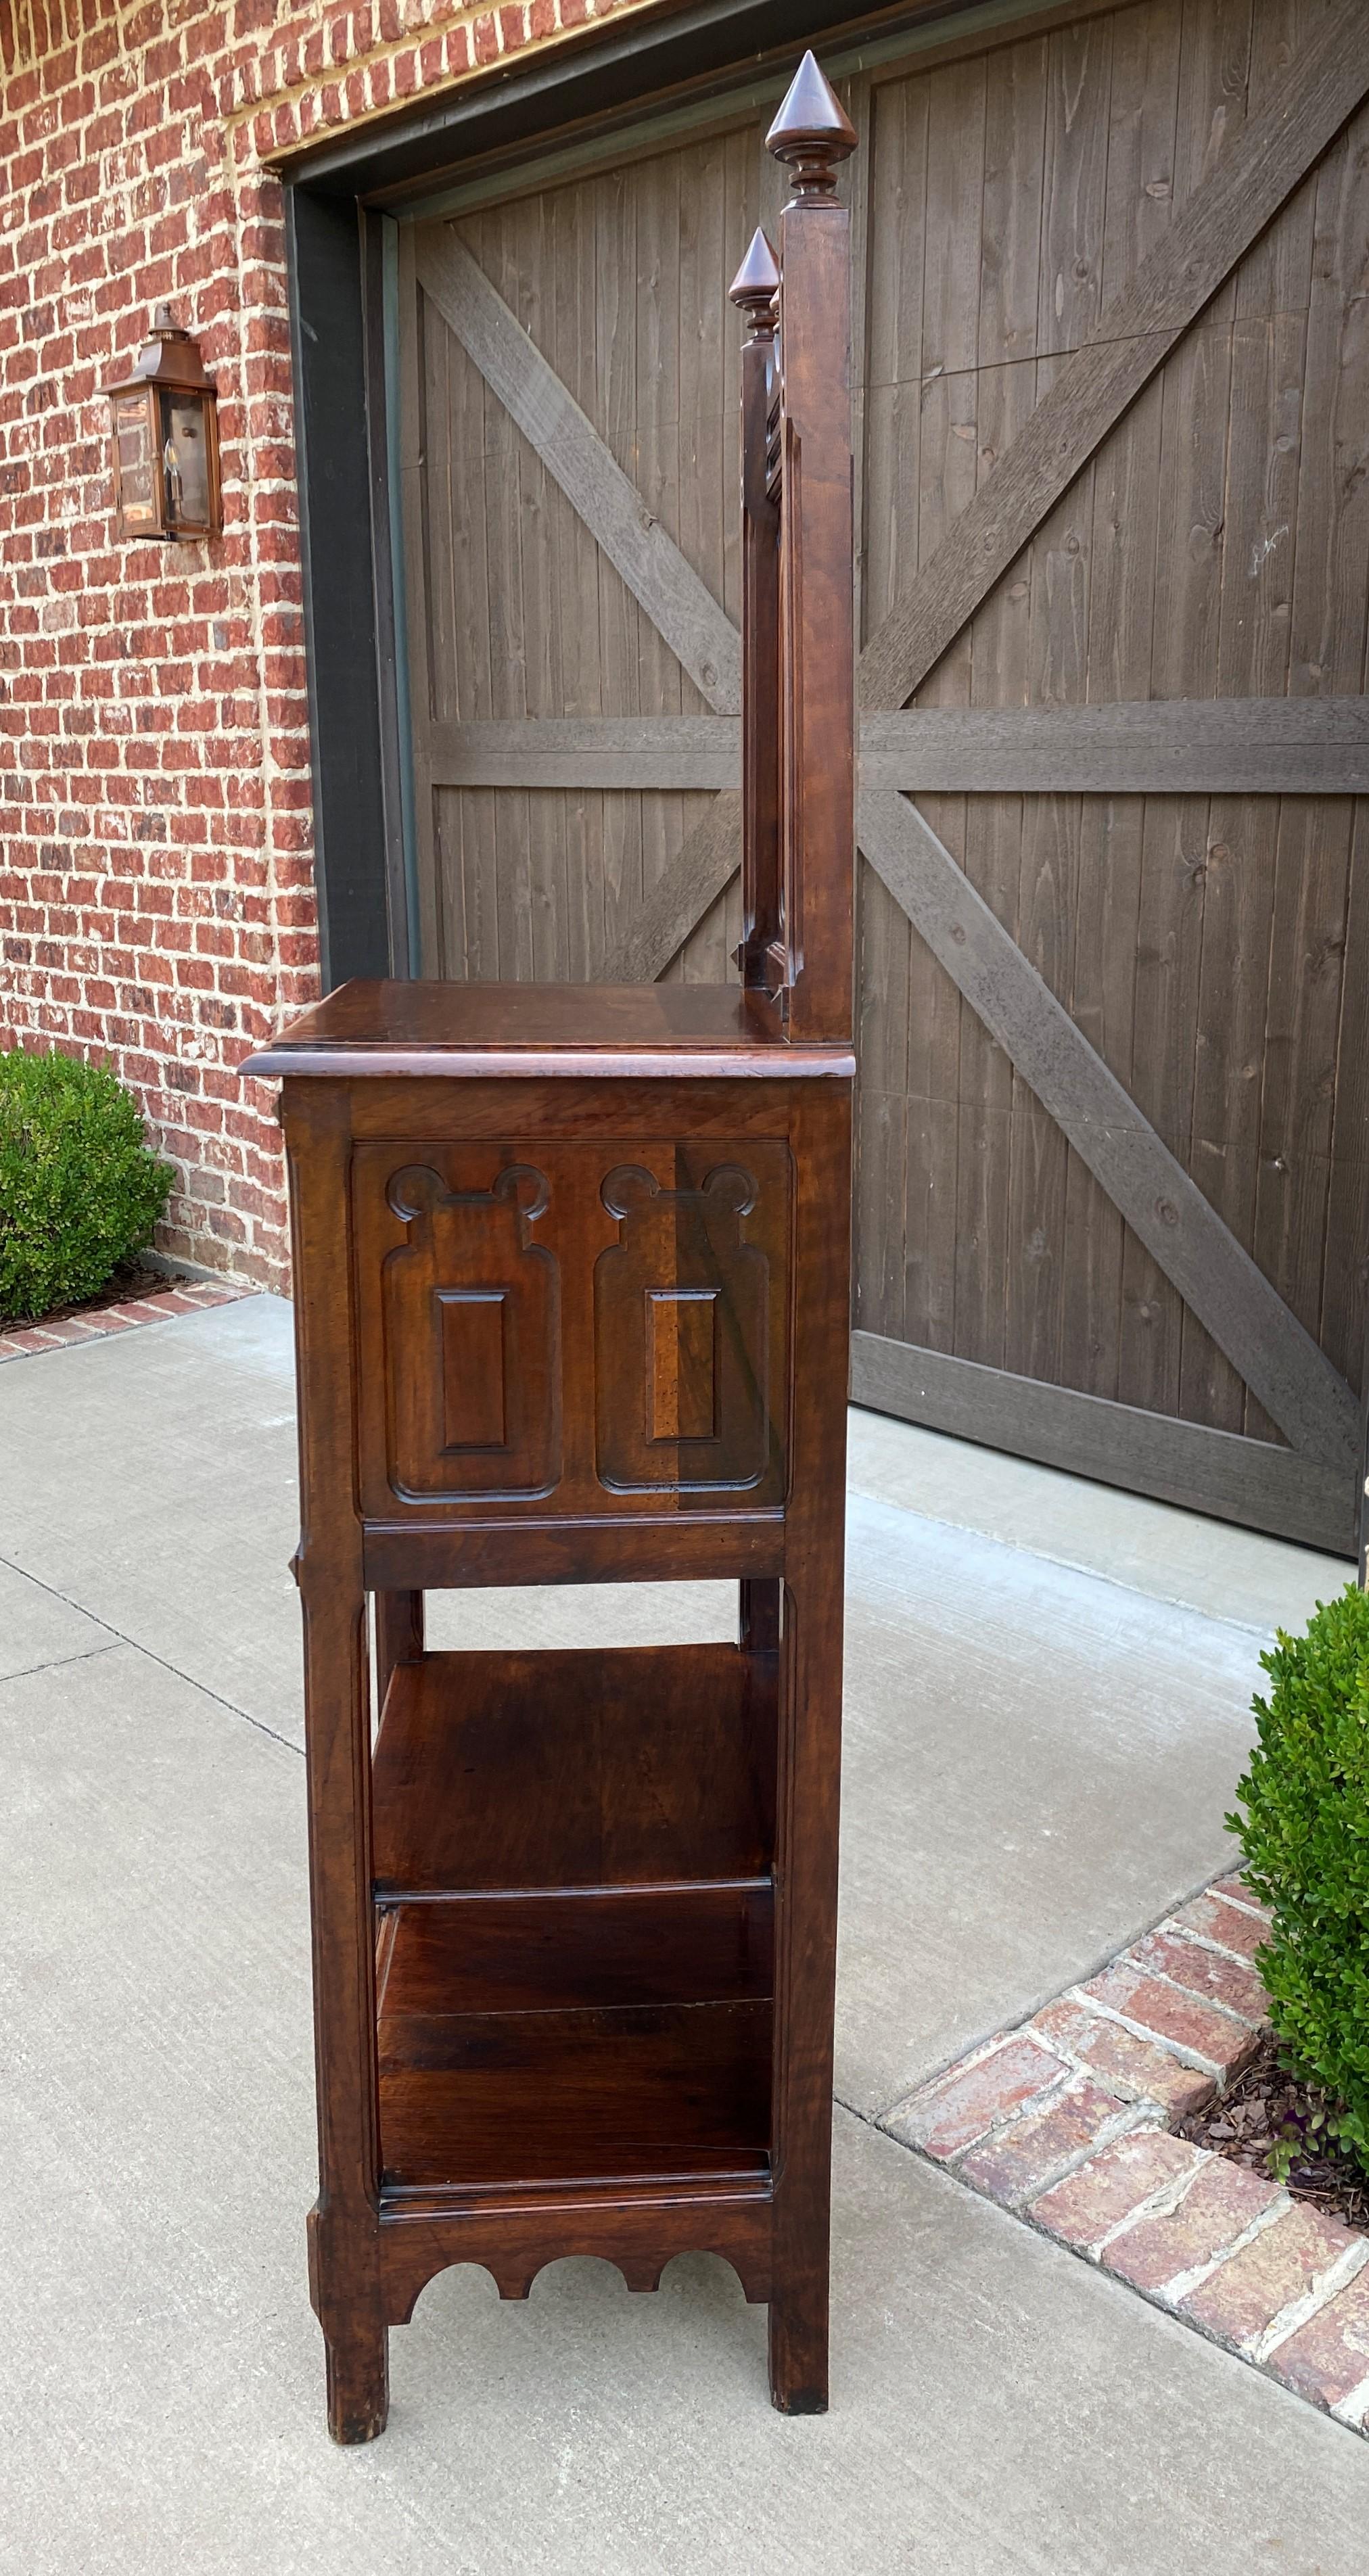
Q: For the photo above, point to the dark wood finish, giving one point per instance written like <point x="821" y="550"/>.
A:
<point x="754" y="290"/>
<point x="572" y="1292"/>
<point x="399" y="1623"/>
<point x="577" y="1768"/>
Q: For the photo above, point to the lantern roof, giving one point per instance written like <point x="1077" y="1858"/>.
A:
<point x="168" y="356"/>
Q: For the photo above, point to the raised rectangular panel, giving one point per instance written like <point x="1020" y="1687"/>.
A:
<point x="463" y="1392"/>
<point x="473" y="1414"/>
<point x="683" y="1363"/>
<point x="691" y="1322"/>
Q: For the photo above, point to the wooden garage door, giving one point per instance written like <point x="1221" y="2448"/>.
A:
<point x="1113" y="519"/>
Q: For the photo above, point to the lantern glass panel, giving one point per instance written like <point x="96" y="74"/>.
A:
<point x="134" y="434"/>
<point x="185" y="461"/>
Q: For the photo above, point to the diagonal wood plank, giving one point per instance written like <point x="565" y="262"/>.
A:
<point x="698" y="631"/>
<point x="1262" y="165"/>
<point x="1215" y="1276"/>
<point x="1252" y="1481"/>
<point x="677" y="903"/>
<point x="1298" y="1387"/>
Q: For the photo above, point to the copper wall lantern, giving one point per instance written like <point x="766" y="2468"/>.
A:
<point x="166" y="440"/>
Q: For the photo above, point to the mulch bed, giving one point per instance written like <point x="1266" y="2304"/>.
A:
<point x="1269" y="2111"/>
<point x="131" y="1279"/>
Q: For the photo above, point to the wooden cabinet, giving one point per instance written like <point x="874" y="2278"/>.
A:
<point x="571" y="1275"/>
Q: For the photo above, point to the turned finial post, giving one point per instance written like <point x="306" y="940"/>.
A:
<point x="755" y="286"/>
<point x="812" y="133"/>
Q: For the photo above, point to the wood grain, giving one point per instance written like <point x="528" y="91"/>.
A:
<point x="1254" y="1482"/>
<point x="528" y="388"/>
<point x="1247" y="745"/>
<point x="1132" y="337"/>
<point x="1296" y="1384"/>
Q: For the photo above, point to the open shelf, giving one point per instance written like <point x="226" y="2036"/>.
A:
<point x="575" y="1930"/>
<point x="566" y="2038"/>
<point x="575" y="1768"/>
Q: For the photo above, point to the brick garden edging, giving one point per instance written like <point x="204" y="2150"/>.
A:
<point x="1066" y="2120"/>
<point x="188" y="1297"/>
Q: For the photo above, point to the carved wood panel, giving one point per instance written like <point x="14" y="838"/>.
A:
<point x="471" y="1301"/>
<point x="604" y="1320"/>
<point x="681" y="1312"/>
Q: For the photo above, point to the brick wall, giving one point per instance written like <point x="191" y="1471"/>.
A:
<point x="156" y="888"/>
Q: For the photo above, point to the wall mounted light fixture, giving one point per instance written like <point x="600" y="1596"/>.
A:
<point x="164" y="422"/>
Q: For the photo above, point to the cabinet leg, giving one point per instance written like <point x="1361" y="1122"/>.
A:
<point x="760" y="1615"/>
<point x="798" y="2349"/>
<point x="399" y="1635"/>
<point x="358" y="2382"/>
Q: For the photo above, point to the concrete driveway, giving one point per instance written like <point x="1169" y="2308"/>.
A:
<point x="1047" y="1714"/>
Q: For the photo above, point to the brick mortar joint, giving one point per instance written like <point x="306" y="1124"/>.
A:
<point x="1160" y="2203"/>
<point x="1165" y="1921"/>
<point x="1191" y="1994"/>
<point x="1173" y="2292"/>
<point x="1128" y="2121"/>
<point x="1179" y="2050"/>
<point x="1299" y="2312"/>
<point x="399" y="48"/>
<point x="1353" y="2407"/>
<point x="1208" y="1941"/>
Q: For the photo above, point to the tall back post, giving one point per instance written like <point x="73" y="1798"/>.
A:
<point x="798" y="710"/>
<point x="754" y="290"/>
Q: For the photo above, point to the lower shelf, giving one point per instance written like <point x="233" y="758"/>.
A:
<point x="593" y="2035"/>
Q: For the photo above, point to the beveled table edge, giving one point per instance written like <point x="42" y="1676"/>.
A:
<point x="779" y="1062"/>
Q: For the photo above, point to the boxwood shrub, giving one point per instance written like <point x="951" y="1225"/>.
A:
<point x="1305" y="1835"/>
<point x="79" y="1189"/>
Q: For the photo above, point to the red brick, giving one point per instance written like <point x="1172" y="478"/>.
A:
<point x="1239" y="1893"/>
<point x="958" y="2108"/>
<point x="1187" y="2020"/>
<point x="114" y="670"/>
<point x="55" y="1336"/>
<point x="1135" y="2067"/>
<point x="1328" y="2358"/>
<point x="1218" y="1921"/>
<point x="1018" y="2162"/>
<point x="1223" y="2200"/>
<point x="1084" y="2207"/>
<point x="1279" y="2265"/>
<point x="1203" y="1972"/>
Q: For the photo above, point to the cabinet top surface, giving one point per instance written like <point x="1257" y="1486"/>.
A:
<point x="476" y="1030"/>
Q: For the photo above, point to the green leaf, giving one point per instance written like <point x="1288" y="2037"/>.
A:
<point x="79" y="1189"/>
<point x="1304" y="1834"/>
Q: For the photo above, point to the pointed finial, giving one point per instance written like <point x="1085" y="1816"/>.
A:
<point x="753" y="288"/>
<point x="812" y="132"/>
